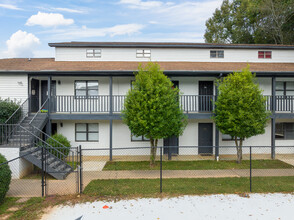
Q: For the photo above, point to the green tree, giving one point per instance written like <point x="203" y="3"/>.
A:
<point x="7" y="108"/>
<point x="252" y="21"/>
<point x="152" y="107"/>
<point x="240" y="108"/>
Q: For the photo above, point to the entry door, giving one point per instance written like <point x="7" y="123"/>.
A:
<point x="34" y="95"/>
<point x="44" y="94"/>
<point x="205" y="96"/>
<point x="171" y="141"/>
<point x="205" y="138"/>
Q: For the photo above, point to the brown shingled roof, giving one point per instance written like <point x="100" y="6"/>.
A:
<point x="43" y="64"/>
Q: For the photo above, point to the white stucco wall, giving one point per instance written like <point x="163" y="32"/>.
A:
<point x="19" y="167"/>
<point x="14" y="87"/>
<point x="173" y="54"/>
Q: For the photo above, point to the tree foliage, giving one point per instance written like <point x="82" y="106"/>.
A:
<point x="5" y="178"/>
<point x="152" y="107"/>
<point x="240" y="108"/>
<point x="252" y="21"/>
<point x="7" y="108"/>
<point x="56" y="141"/>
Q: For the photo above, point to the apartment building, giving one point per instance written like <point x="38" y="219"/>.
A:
<point x="83" y="89"/>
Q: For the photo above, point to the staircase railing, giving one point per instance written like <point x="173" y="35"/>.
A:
<point x="23" y="138"/>
<point x="18" y="116"/>
<point x="39" y="111"/>
<point x="61" y="147"/>
<point x="61" y="150"/>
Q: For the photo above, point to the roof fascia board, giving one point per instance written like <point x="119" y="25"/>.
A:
<point x="200" y="46"/>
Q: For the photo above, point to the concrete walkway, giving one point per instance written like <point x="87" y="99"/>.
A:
<point x="32" y="188"/>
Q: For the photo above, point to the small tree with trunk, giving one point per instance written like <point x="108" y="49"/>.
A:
<point x="240" y="108"/>
<point x="152" y="107"/>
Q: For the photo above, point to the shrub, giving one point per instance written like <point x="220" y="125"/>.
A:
<point x="7" y="108"/>
<point x="61" y="139"/>
<point x="5" y="178"/>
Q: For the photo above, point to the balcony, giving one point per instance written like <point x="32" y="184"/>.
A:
<point x="189" y="103"/>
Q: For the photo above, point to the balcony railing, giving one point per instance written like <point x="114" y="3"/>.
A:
<point x="189" y="103"/>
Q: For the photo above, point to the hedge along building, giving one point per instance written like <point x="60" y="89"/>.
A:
<point x="87" y="83"/>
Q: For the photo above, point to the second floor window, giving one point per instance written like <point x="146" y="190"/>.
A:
<point x="93" y="53"/>
<point x="284" y="88"/>
<point x="264" y="54"/>
<point x="142" y="53"/>
<point x="86" y="88"/>
<point x="216" y="54"/>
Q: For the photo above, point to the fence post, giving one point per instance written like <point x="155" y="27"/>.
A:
<point x="161" y="169"/>
<point x="76" y="159"/>
<point x="169" y="153"/>
<point x="42" y="166"/>
<point x="81" y="170"/>
<point x="250" y="169"/>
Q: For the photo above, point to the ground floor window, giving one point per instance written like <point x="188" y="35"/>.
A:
<point x="285" y="131"/>
<point x="227" y="137"/>
<point x="87" y="131"/>
<point x="139" y="138"/>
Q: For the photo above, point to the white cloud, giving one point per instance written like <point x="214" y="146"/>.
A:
<point x="21" y="44"/>
<point x="138" y="4"/>
<point x="84" y="32"/>
<point x="48" y="20"/>
<point x="8" y="6"/>
<point x="169" y="13"/>
<point x="69" y="10"/>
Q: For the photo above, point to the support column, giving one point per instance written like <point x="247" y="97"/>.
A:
<point x="216" y="139"/>
<point x="273" y="119"/>
<point x="110" y="121"/>
<point x="48" y="127"/>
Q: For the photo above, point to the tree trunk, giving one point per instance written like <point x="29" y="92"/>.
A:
<point x="239" y="149"/>
<point x="153" y="150"/>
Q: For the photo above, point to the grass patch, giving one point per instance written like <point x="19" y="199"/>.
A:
<point x="30" y="209"/>
<point x="7" y="203"/>
<point x="196" y="165"/>
<point x="185" y="186"/>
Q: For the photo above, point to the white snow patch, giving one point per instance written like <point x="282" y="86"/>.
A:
<point x="258" y="206"/>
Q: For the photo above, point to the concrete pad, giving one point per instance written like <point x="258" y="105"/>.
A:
<point x="93" y="165"/>
<point x="288" y="161"/>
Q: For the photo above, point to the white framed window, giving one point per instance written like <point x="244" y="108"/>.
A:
<point x="143" y="53"/>
<point x="217" y="54"/>
<point x="284" y="131"/>
<point x="139" y="138"/>
<point x="227" y="137"/>
<point x="264" y="54"/>
<point x="93" y="53"/>
<point x="86" y="88"/>
<point x="87" y="132"/>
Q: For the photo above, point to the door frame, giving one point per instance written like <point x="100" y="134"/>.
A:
<point x="35" y="99"/>
<point x="205" y="105"/>
<point x="206" y="150"/>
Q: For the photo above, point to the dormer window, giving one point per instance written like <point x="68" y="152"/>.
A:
<point x="216" y="54"/>
<point x="264" y="54"/>
<point x="93" y="53"/>
<point x="143" y="53"/>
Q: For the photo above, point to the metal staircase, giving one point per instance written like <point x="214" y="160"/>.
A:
<point x="27" y="133"/>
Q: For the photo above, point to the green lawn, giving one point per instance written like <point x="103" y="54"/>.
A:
<point x="197" y="186"/>
<point x="30" y="209"/>
<point x="196" y="165"/>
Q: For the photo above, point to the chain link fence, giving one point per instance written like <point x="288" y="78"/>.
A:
<point x="177" y="170"/>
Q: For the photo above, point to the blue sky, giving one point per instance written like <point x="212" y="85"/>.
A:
<point x="29" y="25"/>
